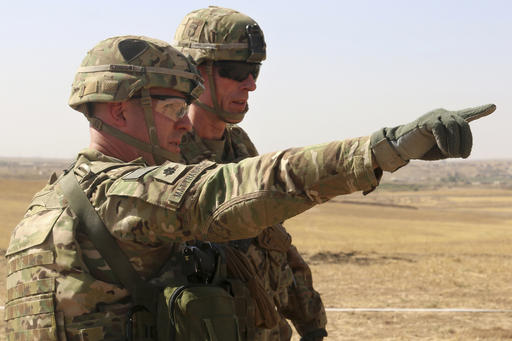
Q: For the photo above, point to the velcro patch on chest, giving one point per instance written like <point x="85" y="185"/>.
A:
<point x="138" y="173"/>
<point x="169" y="173"/>
<point x="164" y="186"/>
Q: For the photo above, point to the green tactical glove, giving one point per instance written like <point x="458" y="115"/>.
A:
<point x="439" y="134"/>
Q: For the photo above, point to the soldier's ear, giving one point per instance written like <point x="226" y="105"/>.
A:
<point x="116" y="114"/>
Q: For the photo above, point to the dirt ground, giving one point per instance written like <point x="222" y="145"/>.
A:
<point x="416" y="281"/>
<point x="448" y="248"/>
<point x="405" y="281"/>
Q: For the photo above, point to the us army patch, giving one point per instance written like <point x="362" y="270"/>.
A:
<point x="184" y="185"/>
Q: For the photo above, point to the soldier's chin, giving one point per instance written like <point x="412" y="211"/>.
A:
<point x="173" y="148"/>
<point x="238" y="108"/>
<point x="234" y="120"/>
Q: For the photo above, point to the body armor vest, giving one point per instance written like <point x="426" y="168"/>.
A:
<point x="53" y="269"/>
<point x="267" y="252"/>
<point x="46" y="267"/>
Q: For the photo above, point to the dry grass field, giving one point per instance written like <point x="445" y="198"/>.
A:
<point x="446" y="248"/>
<point x="443" y="248"/>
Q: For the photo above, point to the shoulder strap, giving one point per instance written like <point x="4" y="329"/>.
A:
<point x="142" y="293"/>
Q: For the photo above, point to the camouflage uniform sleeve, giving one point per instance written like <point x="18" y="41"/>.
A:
<point x="305" y="307"/>
<point x="159" y="205"/>
<point x="236" y="201"/>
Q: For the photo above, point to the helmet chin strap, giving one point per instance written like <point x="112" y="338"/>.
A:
<point x="159" y="154"/>
<point x="225" y="116"/>
<point x="145" y="101"/>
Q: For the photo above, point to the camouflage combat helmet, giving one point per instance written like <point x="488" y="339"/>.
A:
<point x="119" y="67"/>
<point x="216" y="34"/>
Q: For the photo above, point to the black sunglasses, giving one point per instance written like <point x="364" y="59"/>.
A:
<point x="238" y="71"/>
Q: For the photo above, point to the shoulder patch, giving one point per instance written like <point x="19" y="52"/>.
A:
<point x="177" y="195"/>
<point x="164" y="186"/>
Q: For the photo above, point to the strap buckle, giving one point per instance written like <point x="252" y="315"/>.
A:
<point x="96" y="123"/>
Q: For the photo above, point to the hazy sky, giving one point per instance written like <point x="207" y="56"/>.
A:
<point x="334" y="69"/>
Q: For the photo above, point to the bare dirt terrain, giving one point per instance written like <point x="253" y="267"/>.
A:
<point x="445" y="248"/>
<point x="425" y="247"/>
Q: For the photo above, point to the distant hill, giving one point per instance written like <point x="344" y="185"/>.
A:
<point x="416" y="175"/>
<point x="31" y="168"/>
<point x="422" y="174"/>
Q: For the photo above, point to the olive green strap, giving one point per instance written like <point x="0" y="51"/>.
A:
<point x="225" y="116"/>
<point x="138" y="69"/>
<point x="145" y="101"/>
<point x="213" y="88"/>
<point x="211" y="46"/>
<point x="142" y="293"/>
<point x="132" y="141"/>
<point x="211" y="329"/>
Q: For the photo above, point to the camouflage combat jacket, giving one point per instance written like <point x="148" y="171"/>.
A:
<point x="51" y="293"/>
<point x="269" y="252"/>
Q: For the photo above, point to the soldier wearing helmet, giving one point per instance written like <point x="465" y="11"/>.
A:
<point x="228" y="44"/>
<point x="100" y="253"/>
<point x="228" y="47"/>
<point x="122" y="70"/>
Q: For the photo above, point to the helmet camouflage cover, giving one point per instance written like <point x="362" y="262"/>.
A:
<point x="118" y="68"/>
<point x="217" y="33"/>
<point x="220" y="34"/>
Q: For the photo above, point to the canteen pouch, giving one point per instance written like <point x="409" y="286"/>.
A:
<point x="197" y="313"/>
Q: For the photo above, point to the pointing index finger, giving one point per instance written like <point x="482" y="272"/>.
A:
<point x="475" y="113"/>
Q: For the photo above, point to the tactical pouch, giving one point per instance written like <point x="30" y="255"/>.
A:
<point x="140" y="325"/>
<point x="275" y="238"/>
<point x="197" y="313"/>
<point x="245" y="308"/>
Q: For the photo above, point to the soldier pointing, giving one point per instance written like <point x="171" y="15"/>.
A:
<point x="99" y="254"/>
<point x="229" y="47"/>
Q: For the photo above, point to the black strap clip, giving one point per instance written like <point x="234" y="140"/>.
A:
<point x="200" y="262"/>
<point x="256" y="43"/>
